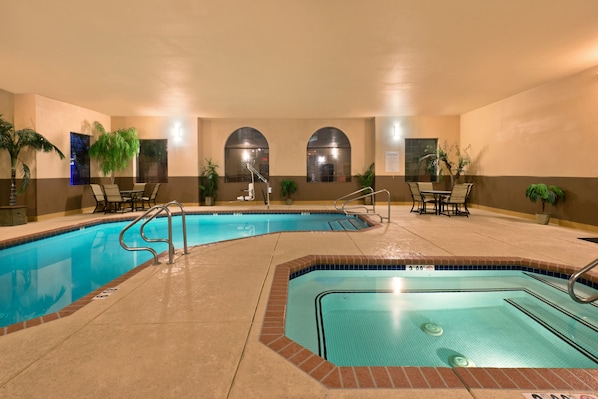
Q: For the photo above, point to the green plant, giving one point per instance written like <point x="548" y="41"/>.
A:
<point x="368" y="177"/>
<point x="544" y="193"/>
<point x="113" y="150"/>
<point x="443" y="156"/>
<point x="288" y="187"/>
<point x="14" y="141"/>
<point x="208" y="179"/>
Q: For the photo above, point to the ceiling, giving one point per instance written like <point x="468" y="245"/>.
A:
<point x="291" y="59"/>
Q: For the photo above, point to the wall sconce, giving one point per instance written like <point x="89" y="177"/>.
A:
<point x="396" y="130"/>
<point x="179" y="132"/>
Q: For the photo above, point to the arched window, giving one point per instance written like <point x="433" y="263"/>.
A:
<point x="245" y="144"/>
<point x="328" y="156"/>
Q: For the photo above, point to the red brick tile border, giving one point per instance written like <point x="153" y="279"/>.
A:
<point x="331" y="376"/>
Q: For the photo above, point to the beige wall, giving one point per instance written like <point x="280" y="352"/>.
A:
<point x="547" y="131"/>
<point x="55" y="120"/>
<point x="6" y="105"/>
<point x="444" y="128"/>
<point x="182" y="136"/>
<point x="287" y="139"/>
<point x="550" y="131"/>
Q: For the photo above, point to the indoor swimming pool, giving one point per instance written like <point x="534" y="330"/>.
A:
<point x="44" y="276"/>
<point x="440" y="318"/>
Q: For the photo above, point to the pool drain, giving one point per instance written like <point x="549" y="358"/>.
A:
<point x="461" y="361"/>
<point x="432" y="329"/>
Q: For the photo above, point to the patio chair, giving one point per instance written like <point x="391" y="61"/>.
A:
<point x="98" y="195"/>
<point x="416" y="197"/>
<point x="137" y="196"/>
<point x="151" y="198"/>
<point x="469" y="187"/>
<point x="427" y="198"/>
<point x="114" y="199"/>
<point x="451" y="205"/>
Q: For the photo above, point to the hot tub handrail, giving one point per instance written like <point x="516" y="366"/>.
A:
<point x="150" y="215"/>
<point x="573" y="279"/>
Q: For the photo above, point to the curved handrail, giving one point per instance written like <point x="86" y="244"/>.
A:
<point x="573" y="279"/>
<point x="371" y="194"/>
<point x="183" y="222"/>
<point x="371" y="190"/>
<point x="149" y="217"/>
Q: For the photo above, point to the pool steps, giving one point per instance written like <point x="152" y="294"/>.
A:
<point x="562" y="285"/>
<point x="344" y="224"/>
<point x="575" y="331"/>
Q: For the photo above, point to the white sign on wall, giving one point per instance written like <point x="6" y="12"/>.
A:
<point x="392" y="161"/>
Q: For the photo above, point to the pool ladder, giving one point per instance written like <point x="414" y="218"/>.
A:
<point x="363" y="193"/>
<point x="574" y="277"/>
<point x="150" y="215"/>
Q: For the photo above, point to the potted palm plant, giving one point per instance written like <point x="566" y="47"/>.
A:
<point x="113" y="150"/>
<point x="209" y="182"/>
<point x="545" y="194"/>
<point x="366" y="180"/>
<point x="287" y="188"/>
<point x="14" y="141"/>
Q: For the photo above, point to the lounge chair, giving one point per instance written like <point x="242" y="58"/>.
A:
<point x="114" y="199"/>
<point x="98" y="195"/>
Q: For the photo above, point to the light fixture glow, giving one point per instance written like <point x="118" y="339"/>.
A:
<point x="397" y="284"/>
<point x="396" y="130"/>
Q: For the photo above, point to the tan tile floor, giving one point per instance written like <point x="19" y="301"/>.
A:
<point x="191" y="330"/>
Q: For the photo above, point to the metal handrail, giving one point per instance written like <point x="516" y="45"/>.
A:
<point x="370" y="193"/>
<point x="253" y="170"/>
<point x="573" y="279"/>
<point x="146" y="215"/>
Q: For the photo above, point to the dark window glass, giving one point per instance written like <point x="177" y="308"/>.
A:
<point x="328" y="156"/>
<point x="152" y="161"/>
<point x="245" y="145"/>
<point x="421" y="163"/>
<point x="79" y="159"/>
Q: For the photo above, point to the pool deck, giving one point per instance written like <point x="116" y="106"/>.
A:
<point x="192" y="329"/>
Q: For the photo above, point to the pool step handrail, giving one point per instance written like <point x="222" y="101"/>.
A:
<point x="150" y="215"/>
<point x="358" y="195"/>
<point x="573" y="279"/>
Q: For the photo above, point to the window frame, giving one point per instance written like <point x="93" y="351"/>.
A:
<point x="328" y="160"/>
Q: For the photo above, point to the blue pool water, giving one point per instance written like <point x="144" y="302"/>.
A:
<point x="44" y="276"/>
<point x="504" y="319"/>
